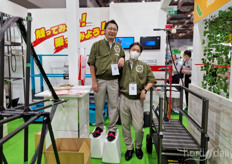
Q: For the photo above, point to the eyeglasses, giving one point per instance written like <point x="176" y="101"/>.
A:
<point x="112" y="29"/>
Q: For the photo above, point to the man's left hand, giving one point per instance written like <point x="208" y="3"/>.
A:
<point x="183" y="71"/>
<point x="143" y="95"/>
<point x="121" y="62"/>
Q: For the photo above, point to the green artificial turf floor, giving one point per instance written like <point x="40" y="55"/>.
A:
<point x="13" y="149"/>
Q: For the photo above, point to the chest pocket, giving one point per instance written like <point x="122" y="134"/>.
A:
<point x="141" y="75"/>
<point x="102" y="62"/>
<point x="141" y="80"/>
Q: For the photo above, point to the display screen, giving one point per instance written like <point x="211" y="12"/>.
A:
<point x="125" y="41"/>
<point x="150" y="43"/>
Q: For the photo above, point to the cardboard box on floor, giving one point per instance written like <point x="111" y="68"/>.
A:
<point x="70" y="150"/>
<point x="37" y="139"/>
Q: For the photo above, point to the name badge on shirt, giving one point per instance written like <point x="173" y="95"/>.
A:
<point x="114" y="68"/>
<point x="132" y="88"/>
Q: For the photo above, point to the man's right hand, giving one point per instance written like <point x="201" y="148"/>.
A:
<point x="95" y="86"/>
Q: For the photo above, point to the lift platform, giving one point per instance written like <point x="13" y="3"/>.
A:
<point x="172" y="140"/>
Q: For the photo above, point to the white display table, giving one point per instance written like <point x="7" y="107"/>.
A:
<point x="71" y="119"/>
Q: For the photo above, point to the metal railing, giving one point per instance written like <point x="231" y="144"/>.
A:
<point x="203" y="128"/>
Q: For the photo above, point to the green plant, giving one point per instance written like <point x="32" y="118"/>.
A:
<point x="217" y="30"/>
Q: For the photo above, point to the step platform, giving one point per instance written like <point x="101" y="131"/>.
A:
<point x="112" y="150"/>
<point x="97" y="144"/>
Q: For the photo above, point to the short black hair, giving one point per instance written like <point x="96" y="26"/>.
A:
<point x="138" y="44"/>
<point x="111" y="21"/>
<point x="187" y="52"/>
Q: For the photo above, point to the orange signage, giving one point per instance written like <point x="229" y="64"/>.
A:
<point x="202" y="8"/>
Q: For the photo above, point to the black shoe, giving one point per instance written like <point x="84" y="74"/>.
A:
<point x="139" y="153"/>
<point x="97" y="132"/>
<point x="111" y="136"/>
<point x="129" y="154"/>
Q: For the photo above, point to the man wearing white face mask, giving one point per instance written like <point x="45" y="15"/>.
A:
<point x="136" y="79"/>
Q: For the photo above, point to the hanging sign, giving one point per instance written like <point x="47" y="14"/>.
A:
<point x="202" y="8"/>
<point x="172" y="10"/>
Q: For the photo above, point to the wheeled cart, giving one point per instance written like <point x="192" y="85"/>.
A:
<point x="173" y="142"/>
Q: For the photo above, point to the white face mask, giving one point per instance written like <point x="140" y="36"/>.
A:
<point x="134" y="55"/>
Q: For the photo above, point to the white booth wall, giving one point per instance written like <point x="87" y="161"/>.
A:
<point x="131" y="23"/>
<point x="13" y="9"/>
<point x="139" y="20"/>
<point x="134" y="19"/>
<point x="55" y="17"/>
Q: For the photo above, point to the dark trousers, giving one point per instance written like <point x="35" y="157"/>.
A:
<point x="186" y="84"/>
<point x="175" y="79"/>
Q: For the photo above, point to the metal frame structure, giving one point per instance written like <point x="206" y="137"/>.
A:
<point x="166" y="68"/>
<point x="9" y="55"/>
<point x="33" y="75"/>
<point x="173" y="138"/>
<point x="24" y="111"/>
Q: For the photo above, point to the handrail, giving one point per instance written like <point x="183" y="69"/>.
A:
<point x="202" y="128"/>
<point x="186" y="89"/>
<point x="204" y="122"/>
<point x="199" y="128"/>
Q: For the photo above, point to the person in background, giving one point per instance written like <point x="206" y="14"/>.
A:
<point x="136" y="79"/>
<point x="176" y="66"/>
<point x="106" y="56"/>
<point x="187" y="71"/>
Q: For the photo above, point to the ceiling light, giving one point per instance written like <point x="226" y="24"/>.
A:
<point x="143" y="0"/>
<point x="175" y="0"/>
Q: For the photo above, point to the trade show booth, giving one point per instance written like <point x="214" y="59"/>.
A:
<point x="49" y="75"/>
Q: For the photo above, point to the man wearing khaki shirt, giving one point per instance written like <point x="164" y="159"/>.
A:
<point x="106" y="56"/>
<point x="136" y="79"/>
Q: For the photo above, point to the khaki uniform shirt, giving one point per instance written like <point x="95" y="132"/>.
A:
<point x="102" y="56"/>
<point x="141" y="74"/>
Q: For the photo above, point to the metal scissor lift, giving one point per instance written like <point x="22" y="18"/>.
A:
<point x="171" y="138"/>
